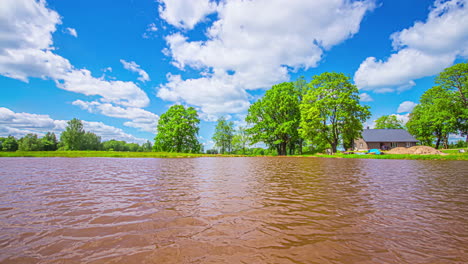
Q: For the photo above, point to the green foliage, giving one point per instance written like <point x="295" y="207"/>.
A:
<point x="146" y="147"/>
<point x="72" y="137"/>
<point x="240" y="140"/>
<point x="49" y="142"/>
<point x="434" y="118"/>
<point x="455" y="80"/>
<point x="388" y="122"/>
<point x="91" y="141"/>
<point x="30" y="142"/>
<point x="223" y="135"/>
<point x="212" y="151"/>
<point x="275" y="118"/>
<point x="115" y="145"/>
<point x="177" y="131"/>
<point x="76" y="138"/>
<point x="330" y="111"/>
<point x="10" y="144"/>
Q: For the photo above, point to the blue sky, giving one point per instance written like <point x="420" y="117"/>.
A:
<point x="118" y="65"/>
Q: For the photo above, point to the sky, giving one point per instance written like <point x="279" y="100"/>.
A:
<point x="119" y="65"/>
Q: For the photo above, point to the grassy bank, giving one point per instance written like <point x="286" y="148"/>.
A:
<point x="110" y="154"/>
<point x="451" y="155"/>
<point x="458" y="156"/>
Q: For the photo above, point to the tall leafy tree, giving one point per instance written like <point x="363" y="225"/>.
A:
<point x="49" y="142"/>
<point x="115" y="145"/>
<point x="146" y="146"/>
<point x="178" y="130"/>
<point x="275" y="117"/>
<point x="240" y="140"/>
<point x="30" y="142"/>
<point x="455" y="80"/>
<point x="223" y="135"/>
<point x="73" y="136"/>
<point x="434" y="118"/>
<point x="388" y="122"/>
<point x="10" y="144"/>
<point x="91" y="141"/>
<point x="330" y="110"/>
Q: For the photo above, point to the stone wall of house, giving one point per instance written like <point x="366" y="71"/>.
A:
<point x="360" y="144"/>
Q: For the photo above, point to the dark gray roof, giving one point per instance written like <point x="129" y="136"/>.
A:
<point x="387" y="135"/>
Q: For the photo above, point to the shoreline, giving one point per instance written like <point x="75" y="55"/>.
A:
<point x="116" y="154"/>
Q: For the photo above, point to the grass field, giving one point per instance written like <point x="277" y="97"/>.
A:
<point x="110" y="154"/>
<point x="452" y="154"/>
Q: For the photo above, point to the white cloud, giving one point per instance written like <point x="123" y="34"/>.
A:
<point x="403" y="118"/>
<point x="141" y="119"/>
<point x="72" y="32"/>
<point x="185" y="14"/>
<point x="406" y="107"/>
<point x="132" y="66"/>
<point x="20" y="124"/>
<point x="150" y="31"/>
<point x="26" y="51"/>
<point x="365" y="97"/>
<point x="423" y="50"/>
<point x="253" y="45"/>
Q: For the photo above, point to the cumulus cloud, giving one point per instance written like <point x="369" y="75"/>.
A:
<point x="20" y="124"/>
<point x="132" y="66"/>
<point x="185" y="14"/>
<point x="72" y="32"/>
<point x="253" y="45"/>
<point x="141" y="119"/>
<point x="26" y="50"/>
<point x="406" y="107"/>
<point x="365" y="97"/>
<point x="150" y="31"/>
<point x="423" y="50"/>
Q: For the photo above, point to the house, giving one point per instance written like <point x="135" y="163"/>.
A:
<point x="384" y="139"/>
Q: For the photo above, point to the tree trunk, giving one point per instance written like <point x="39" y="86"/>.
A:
<point x="438" y="142"/>
<point x="333" y="145"/>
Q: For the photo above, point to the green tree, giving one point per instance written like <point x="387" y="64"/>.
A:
<point x="275" y="118"/>
<point x="91" y="141"/>
<point x="434" y="118"/>
<point x="178" y="130"/>
<point x="146" y="147"/>
<point x="455" y="80"/>
<point x="223" y="135"/>
<point x="388" y="122"/>
<point x="10" y="144"/>
<point x="73" y="136"/>
<point x="240" y="140"/>
<point x="49" y="142"/>
<point x="115" y="145"/>
<point x="133" y="147"/>
<point x="30" y="142"/>
<point x="330" y="111"/>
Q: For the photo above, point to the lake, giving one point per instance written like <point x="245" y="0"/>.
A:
<point x="233" y="210"/>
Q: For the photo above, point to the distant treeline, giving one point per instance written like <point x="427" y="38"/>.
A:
<point x="73" y="138"/>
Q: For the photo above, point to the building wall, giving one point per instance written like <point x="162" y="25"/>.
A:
<point x="360" y="145"/>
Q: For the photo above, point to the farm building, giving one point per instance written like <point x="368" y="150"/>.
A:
<point x="384" y="139"/>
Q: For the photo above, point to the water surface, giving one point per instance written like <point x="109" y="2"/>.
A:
<point x="232" y="210"/>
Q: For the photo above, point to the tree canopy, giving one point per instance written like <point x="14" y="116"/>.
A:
<point x="388" y="122"/>
<point x="434" y="118"/>
<point x="178" y="130"/>
<point x="455" y="80"/>
<point x="223" y="135"/>
<point x="330" y="110"/>
<point x="73" y="136"/>
<point x="275" y="117"/>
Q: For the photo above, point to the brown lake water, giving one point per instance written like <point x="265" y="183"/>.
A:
<point x="232" y="210"/>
